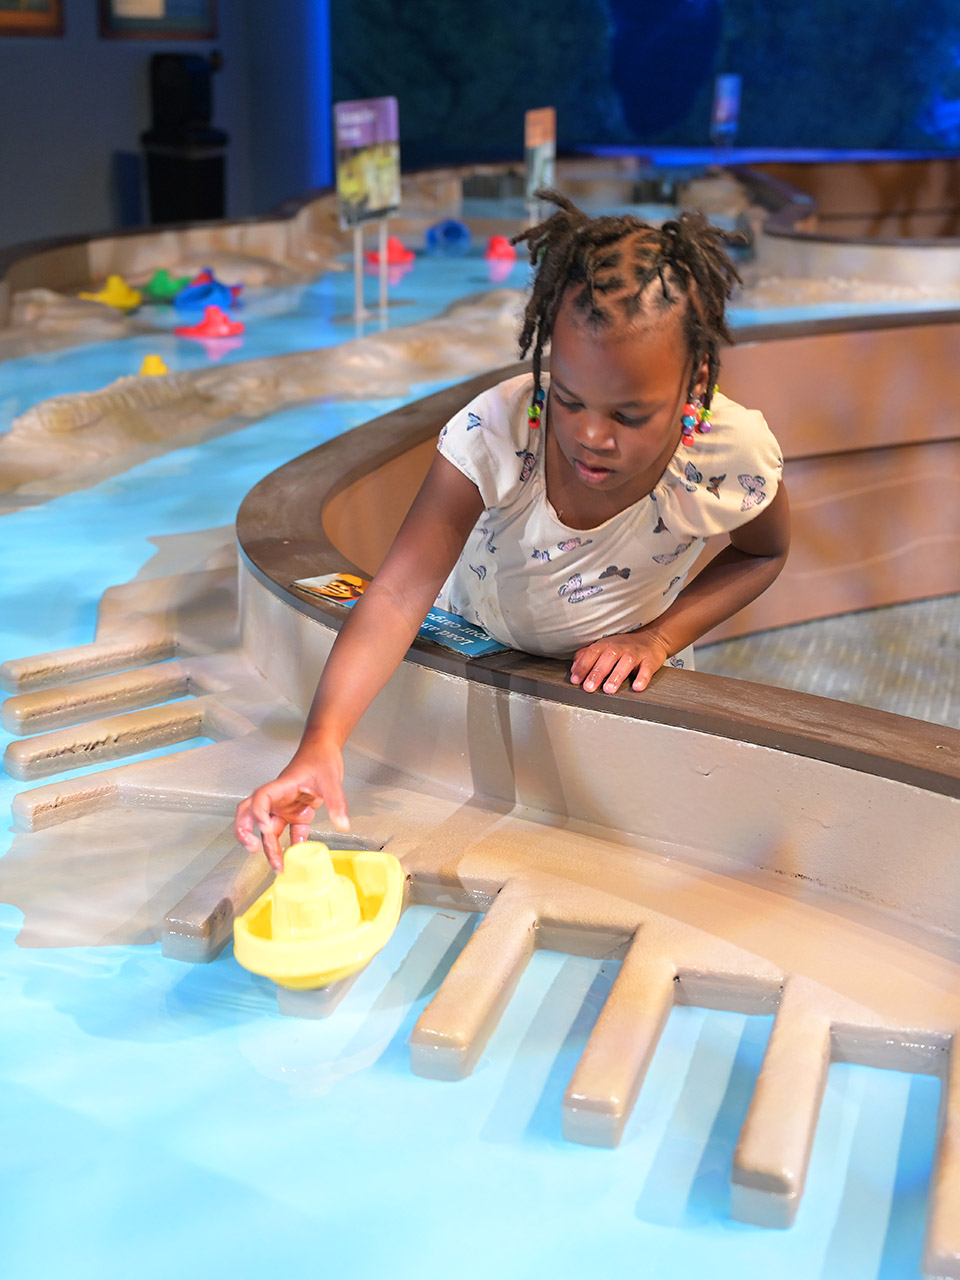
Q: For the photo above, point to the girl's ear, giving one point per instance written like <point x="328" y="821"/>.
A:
<point x="703" y="378"/>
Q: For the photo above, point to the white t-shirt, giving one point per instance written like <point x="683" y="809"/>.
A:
<point x="534" y="583"/>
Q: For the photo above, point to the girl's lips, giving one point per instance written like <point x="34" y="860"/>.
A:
<point x="591" y="475"/>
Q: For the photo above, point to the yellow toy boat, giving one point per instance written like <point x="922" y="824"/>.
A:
<point x="116" y="293"/>
<point x="325" y="916"/>
<point x="153" y="367"/>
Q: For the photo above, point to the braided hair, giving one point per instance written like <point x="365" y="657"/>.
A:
<point x="608" y="264"/>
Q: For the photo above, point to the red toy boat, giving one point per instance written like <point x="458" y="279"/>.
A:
<point x="215" y="324"/>
<point x="397" y="253"/>
<point x="500" y="248"/>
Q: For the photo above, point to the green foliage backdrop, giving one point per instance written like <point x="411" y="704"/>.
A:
<point x="816" y="73"/>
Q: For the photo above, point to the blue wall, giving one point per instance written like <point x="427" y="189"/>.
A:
<point x="72" y="105"/>
<point x="69" y="105"/>
<point x="289" y="74"/>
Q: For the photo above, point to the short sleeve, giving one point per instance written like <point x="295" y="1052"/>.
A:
<point x="490" y="442"/>
<point x="726" y="479"/>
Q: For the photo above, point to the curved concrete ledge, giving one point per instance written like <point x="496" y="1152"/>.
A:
<point x="703" y="834"/>
<point x="870" y="437"/>
<point x="892" y="220"/>
<point x="804" y="788"/>
<point x="562" y="818"/>
<point x="766" y="787"/>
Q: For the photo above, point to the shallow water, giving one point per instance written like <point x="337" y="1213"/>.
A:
<point x="159" y="1116"/>
<point x="157" y="1111"/>
<point x="318" y="315"/>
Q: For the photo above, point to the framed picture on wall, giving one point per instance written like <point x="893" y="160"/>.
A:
<point x="158" y="19"/>
<point x="31" y="17"/>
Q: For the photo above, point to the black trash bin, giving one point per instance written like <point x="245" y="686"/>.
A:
<point x="186" y="174"/>
<point x="185" y="154"/>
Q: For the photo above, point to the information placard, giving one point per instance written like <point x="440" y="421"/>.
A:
<point x="368" y="159"/>
<point x="725" y="119"/>
<point x="446" y="629"/>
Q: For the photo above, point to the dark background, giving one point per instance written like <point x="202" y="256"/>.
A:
<point x="826" y="74"/>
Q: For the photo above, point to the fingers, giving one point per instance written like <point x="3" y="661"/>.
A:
<point x="620" y="672"/>
<point x="610" y="663"/>
<point x="648" y="668"/>
<point x="604" y="661"/>
<point x="584" y="663"/>
<point x="263" y="817"/>
<point x="270" y="833"/>
<point x="266" y="813"/>
<point x="336" y="803"/>
<point x="243" y="827"/>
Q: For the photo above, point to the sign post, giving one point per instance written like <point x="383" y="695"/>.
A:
<point x="725" y="119"/>
<point x="368" y="179"/>
<point x="540" y="155"/>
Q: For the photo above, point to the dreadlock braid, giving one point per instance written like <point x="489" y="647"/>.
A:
<point x="608" y="264"/>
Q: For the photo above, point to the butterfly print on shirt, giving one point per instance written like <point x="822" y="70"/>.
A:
<point x="693" y="477"/>
<point x="571" y="544"/>
<point x="612" y="571"/>
<point x="754" y="491"/>
<point x="575" y="591"/>
<point x="660" y="527"/>
<point x="484" y="531"/>
<point x="480" y="570"/>
<point x="715" y="483"/>
<point x="670" y="585"/>
<point x="537" y="554"/>
<point x="527" y="459"/>
<point x="675" y="662"/>
<point x="473" y="420"/>
<point x="670" y="556"/>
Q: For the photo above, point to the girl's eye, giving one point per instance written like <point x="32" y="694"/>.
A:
<point x="574" y="406"/>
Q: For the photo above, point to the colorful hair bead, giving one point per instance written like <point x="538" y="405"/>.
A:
<point x="692" y="420"/>
<point x="535" y="409"/>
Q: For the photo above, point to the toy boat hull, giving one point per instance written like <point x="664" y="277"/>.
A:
<point x="317" y="959"/>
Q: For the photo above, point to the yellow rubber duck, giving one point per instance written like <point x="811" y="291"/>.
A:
<point x="116" y="293"/>
<point x="153" y="367"/>
<point x="325" y="916"/>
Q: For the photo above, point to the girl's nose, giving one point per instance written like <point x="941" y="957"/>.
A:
<point x="593" y="432"/>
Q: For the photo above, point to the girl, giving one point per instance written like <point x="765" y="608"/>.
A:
<point x="565" y="517"/>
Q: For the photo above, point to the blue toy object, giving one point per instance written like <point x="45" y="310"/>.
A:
<point x="196" y="297"/>
<point x="449" y="236"/>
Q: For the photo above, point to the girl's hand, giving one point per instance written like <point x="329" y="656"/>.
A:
<point x="292" y="799"/>
<point x="611" y="660"/>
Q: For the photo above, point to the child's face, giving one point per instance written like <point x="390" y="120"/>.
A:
<point x="616" y="398"/>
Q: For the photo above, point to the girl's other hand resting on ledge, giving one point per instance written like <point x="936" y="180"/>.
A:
<point x="292" y="799"/>
<point x="612" y="659"/>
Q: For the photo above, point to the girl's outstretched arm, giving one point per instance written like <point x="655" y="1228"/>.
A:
<point x="737" y="575"/>
<point x="369" y="648"/>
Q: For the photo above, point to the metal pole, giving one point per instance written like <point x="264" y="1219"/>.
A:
<point x="382" y="245"/>
<point x="359" y="312"/>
